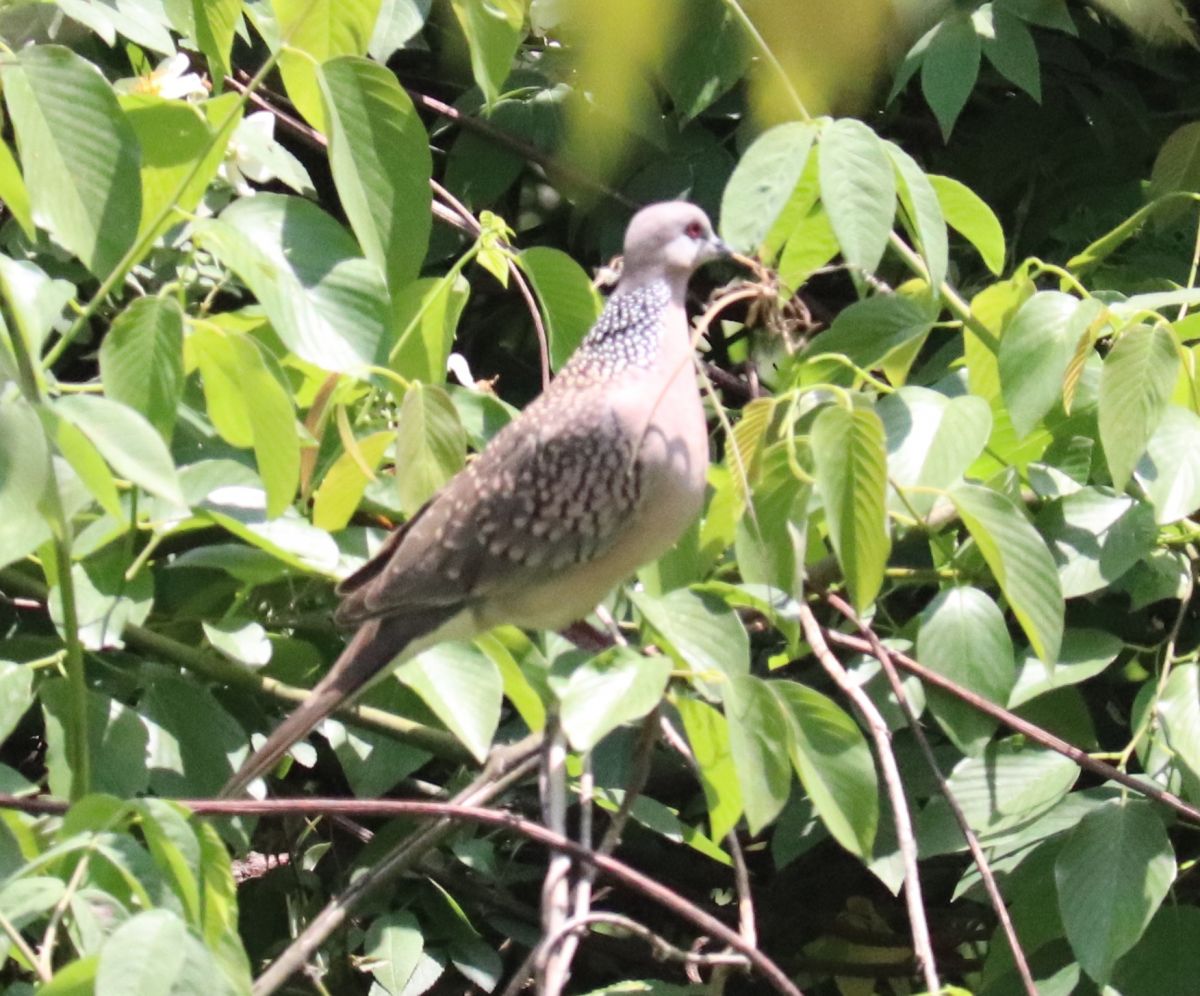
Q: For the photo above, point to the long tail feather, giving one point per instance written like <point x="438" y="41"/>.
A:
<point x="372" y="648"/>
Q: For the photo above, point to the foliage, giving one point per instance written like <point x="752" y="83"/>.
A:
<point x="966" y="392"/>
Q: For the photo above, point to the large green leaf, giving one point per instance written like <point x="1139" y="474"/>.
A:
<point x="24" y="472"/>
<point x="605" y="692"/>
<point x="963" y="637"/>
<point x="968" y="214"/>
<point x="762" y="182"/>
<point x="758" y="742"/>
<point x="924" y="212"/>
<point x="14" y="193"/>
<point x="709" y="59"/>
<point x="568" y="299"/>
<point x="343" y="485"/>
<point x="379" y="154"/>
<point x="1178" y="715"/>
<point x="1169" y="470"/>
<point x="1166" y="961"/>
<point x="36" y="301"/>
<point x="216" y="23"/>
<point x="1084" y="654"/>
<point x="249" y="407"/>
<point x="950" y="67"/>
<point x="708" y="734"/>
<point x="327" y="303"/>
<point x="931" y="441"/>
<point x="154" y="954"/>
<point x="126" y="440"/>
<point x="1135" y="386"/>
<point x="16" y="681"/>
<point x="431" y="444"/>
<point x="314" y="31"/>
<point x="1096" y="537"/>
<point x="834" y="763"/>
<point x="1008" y="786"/>
<point x="393" y="948"/>
<point x="867" y="330"/>
<point x="181" y="150"/>
<point x="700" y="631"/>
<point x="1020" y="561"/>
<point x="141" y="360"/>
<point x="425" y="316"/>
<point x="1010" y="48"/>
<point x="494" y="31"/>
<point x="463" y="688"/>
<point x="1112" y="873"/>
<point x="79" y="153"/>
<point x="851" y="470"/>
<point x="1035" y="351"/>
<point x="858" y="189"/>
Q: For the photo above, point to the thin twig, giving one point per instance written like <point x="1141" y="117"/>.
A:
<point x="663" y="949"/>
<point x="895" y="788"/>
<point x="884" y="656"/>
<point x="1037" y="734"/>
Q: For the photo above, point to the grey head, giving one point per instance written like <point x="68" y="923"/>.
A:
<point x="668" y="241"/>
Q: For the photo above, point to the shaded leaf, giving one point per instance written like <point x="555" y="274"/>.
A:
<point x="762" y="182"/>
<point x="1135" y="386"/>
<point x="858" y="190"/>
<point x="462" y="687"/>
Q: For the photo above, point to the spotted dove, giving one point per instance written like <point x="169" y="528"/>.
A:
<point x="597" y="476"/>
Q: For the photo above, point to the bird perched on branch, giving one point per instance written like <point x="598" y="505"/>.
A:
<point x="597" y="476"/>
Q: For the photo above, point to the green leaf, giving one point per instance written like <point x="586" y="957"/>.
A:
<point x="1177" y="713"/>
<point x="176" y="850"/>
<point x="851" y="471"/>
<point x="924" y="212"/>
<point x="141" y="360"/>
<point x="117" y="740"/>
<point x="968" y="214"/>
<point x="344" y="483"/>
<point x="14" y="193"/>
<point x="1112" y="873"/>
<point x="758" y="742"/>
<point x="426" y="314"/>
<point x="36" y="301"/>
<point x="1084" y="654"/>
<point x="379" y="154"/>
<point x="16" y="681"/>
<point x="105" y="601"/>
<point x="87" y="463"/>
<point x="1009" y="785"/>
<point x="431" y="444"/>
<point x="1011" y="50"/>
<point x="393" y="948"/>
<point x="708" y="734"/>
<point x="240" y="639"/>
<point x="76" y="978"/>
<point x="762" y="182"/>
<point x="494" y="29"/>
<point x="858" y="190"/>
<point x="867" y="330"/>
<point x="1177" y="165"/>
<point x="700" y="631"/>
<point x="963" y="637"/>
<point x="1036" y="350"/>
<point x="315" y="31"/>
<point x="154" y="954"/>
<point x="127" y="441"/>
<point x="708" y="60"/>
<point x="1020" y="562"/>
<point x="463" y="688"/>
<point x="398" y="22"/>
<point x="216" y="23"/>
<point x="327" y="303"/>
<point x="950" y="68"/>
<point x="1051" y="14"/>
<point x="196" y="743"/>
<point x="180" y="153"/>
<point x="1135" y="386"/>
<point x="24" y="474"/>
<point x="1169" y="470"/>
<point x="1096" y="537"/>
<point x="834" y="763"/>
<point x="249" y="406"/>
<point x="81" y="156"/>
<point x="608" y="691"/>
<point x="569" y="301"/>
<point x="1165" y="960"/>
<point x="931" y="441"/>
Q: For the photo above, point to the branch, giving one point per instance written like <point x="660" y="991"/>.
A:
<point x="1034" y="732"/>
<point x="883" y="655"/>
<point x="895" y="789"/>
